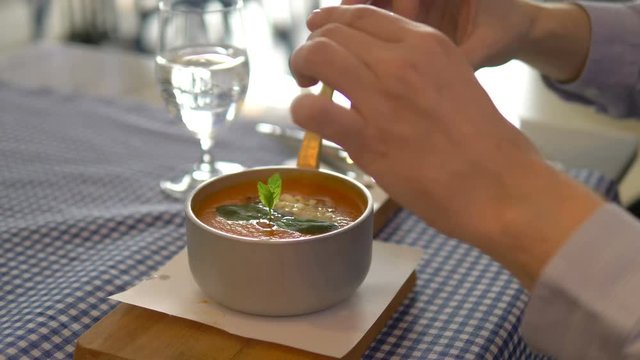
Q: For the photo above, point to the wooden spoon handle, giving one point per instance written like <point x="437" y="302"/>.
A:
<point x="311" y="143"/>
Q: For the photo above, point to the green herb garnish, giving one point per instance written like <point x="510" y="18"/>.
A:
<point x="269" y="194"/>
<point x="245" y="212"/>
<point x="250" y="212"/>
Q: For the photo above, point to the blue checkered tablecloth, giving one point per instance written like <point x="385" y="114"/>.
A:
<point x="82" y="218"/>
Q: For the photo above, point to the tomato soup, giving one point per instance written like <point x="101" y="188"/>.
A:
<point x="325" y="203"/>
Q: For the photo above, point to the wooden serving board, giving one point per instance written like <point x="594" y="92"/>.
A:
<point x="132" y="332"/>
<point x="383" y="208"/>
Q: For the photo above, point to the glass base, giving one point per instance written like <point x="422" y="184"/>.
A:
<point x="183" y="186"/>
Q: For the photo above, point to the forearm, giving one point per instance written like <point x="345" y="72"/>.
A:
<point x="545" y="208"/>
<point x="559" y="41"/>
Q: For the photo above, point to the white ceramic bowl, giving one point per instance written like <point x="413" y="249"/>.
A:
<point x="279" y="277"/>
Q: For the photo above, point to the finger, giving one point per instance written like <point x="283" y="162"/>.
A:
<point x="406" y="8"/>
<point x="328" y="119"/>
<point x="324" y="60"/>
<point x="383" y="4"/>
<point x="451" y="17"/>
<point x="361" y="45"/>
<point x="376" y="22"/>
<point x="466" y="21"/>
<point x="301" y="79"/>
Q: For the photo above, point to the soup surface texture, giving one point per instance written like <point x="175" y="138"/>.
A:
<point x="305" y="199"/>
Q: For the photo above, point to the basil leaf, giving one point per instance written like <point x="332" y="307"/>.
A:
<point x="244" y="212"/>
<point x="270" y="194"/>
<point x="275" y="185"/>
<point x="265" y="195"/>
<point x="306" y="226"/>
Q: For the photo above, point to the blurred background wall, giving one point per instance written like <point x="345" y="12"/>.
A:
<point x="127" y="23"/>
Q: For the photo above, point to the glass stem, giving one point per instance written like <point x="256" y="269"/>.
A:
<point x="206" y="155"/>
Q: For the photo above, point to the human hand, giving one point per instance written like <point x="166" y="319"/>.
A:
<point x="489" y="32"/>
<point x="424" y="128"/>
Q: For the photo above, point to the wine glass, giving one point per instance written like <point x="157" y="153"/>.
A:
<point x="203" y="71"/>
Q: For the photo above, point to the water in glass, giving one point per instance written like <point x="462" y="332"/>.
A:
<point x="203" y="85"/>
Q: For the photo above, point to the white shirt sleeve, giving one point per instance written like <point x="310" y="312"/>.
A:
<point x="586" y="304"/>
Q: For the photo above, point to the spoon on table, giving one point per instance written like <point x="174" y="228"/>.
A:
<point x="308" y="156"/>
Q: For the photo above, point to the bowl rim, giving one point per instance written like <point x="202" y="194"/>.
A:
<point x="368" y="211"/>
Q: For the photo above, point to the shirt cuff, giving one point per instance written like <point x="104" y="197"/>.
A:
<point x="611" y="77"/>
<point x="586" y="304"/>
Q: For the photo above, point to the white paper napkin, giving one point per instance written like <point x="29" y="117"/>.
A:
<point x="332" y="332"/>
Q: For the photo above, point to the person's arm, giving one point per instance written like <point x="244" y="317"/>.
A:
<point x="420" y="123"/>
<point x="587" y="52"/>
<point x="558" y="41"/>
<point x="413" y="93"/>
<point x="586" y="303"/>
<point x="553" y="38"/>
<point x="610" y="78"/>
